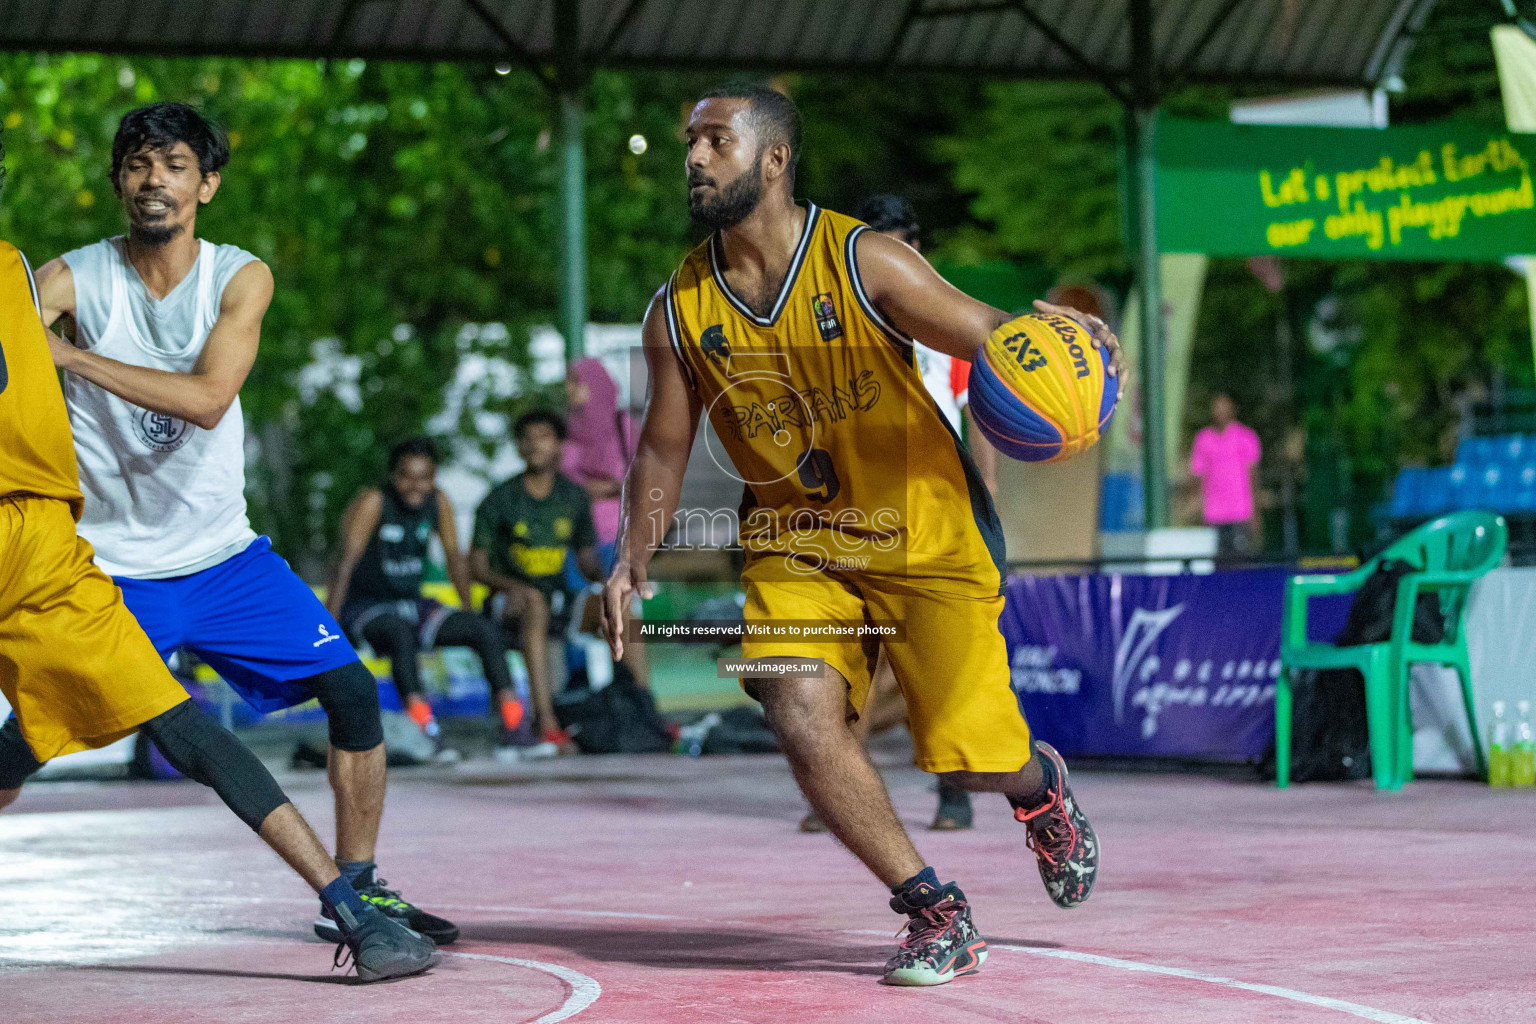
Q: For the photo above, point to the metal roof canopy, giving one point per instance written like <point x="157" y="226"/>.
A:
<point x="1140" y="50"/>
<point x="1295" y="42"/>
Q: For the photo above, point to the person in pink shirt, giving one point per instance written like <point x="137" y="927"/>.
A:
<point x="596" y="455"/>
<point x="1225" y="458"/>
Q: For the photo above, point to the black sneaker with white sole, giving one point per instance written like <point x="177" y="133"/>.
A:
<point x="941" y="942"/>
<point x="380" y="947"/>
<point x="390" y="903"/>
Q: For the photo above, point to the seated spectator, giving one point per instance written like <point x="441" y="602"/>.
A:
<point x="524" y="530"/>
<point x="375" y="592"/>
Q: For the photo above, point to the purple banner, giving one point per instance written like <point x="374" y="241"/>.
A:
<point x="1153" y="666"/>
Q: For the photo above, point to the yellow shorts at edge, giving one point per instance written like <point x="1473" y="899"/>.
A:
<point x="952" y="667"/>
<point x="74" y="663"/>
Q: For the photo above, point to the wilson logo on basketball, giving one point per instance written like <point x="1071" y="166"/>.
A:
<point x="1079" y="358"/>
<point x="1068" y="331"/>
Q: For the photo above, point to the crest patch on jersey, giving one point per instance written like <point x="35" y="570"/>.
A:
<point x="715" y="344"/>
<point x="826" y="317"/>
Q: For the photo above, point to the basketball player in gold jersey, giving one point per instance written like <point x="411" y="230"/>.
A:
<point x="80" y="673"/>
<point x="791" y="327"/>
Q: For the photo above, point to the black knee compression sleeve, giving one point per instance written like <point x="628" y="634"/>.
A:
<point x="350" y="697"/>
<point x="205" y="752"/>
<point x="17" y="762"/>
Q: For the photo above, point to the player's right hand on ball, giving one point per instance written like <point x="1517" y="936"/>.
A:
<point x="623" y="584"/>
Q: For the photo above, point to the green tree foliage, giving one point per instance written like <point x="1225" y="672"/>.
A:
<point x="1042" y="164"/>
<point x="395" y="203"/>
<point x="401" y="206"/>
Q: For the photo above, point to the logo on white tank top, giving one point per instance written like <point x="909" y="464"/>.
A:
<point x="160" y="432"/>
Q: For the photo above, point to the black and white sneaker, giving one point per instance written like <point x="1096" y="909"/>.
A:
<point x="1065" y="846"/>
<point x="941" y="942"/>
<point x="390" y="903"/>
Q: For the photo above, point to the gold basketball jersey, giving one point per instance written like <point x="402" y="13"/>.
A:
<point x="37" y="455"/>
<point x="849" y="467"/>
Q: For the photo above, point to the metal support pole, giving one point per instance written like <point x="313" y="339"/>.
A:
<point x="573" y="180"/>
<point x="1141" y="138"/>
<point x="573" y="223"/>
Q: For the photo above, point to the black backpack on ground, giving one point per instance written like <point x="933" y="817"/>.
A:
<point x="621" y="718"/>
<point x="1329" y="737"/>
<point x="740" y="730"/>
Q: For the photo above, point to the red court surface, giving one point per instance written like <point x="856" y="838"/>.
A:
<point x="651" y="889"/>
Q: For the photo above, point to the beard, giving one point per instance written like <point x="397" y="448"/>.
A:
<point x="154" y="235"/>
<point x="155" y="232"/>
<point x="732" y="204"/>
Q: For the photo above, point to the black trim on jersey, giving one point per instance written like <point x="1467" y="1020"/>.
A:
<point x="26" y="268"/>
<point x="31" y="283"/>
<point x="812" y="215"/>
<point x="983" y="511"/>
<point x="675" y="334"/>
<point x="851" y="259"/>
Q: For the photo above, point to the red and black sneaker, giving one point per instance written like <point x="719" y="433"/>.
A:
<point x="1063" y="841"/>
<point x="941" y="941"/>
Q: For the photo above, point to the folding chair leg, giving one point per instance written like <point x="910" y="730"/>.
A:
<point x="1283" y="729"/>
<point x="1382" y="719"/>
<point x="1402" y="673"/>
<point x="1464" y="672"/>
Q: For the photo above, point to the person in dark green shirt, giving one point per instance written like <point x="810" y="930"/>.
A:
<point x="523" y="531"/>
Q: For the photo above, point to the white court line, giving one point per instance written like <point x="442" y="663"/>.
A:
<point x="1367" y="1012"/>
<point x="584" y="990"/>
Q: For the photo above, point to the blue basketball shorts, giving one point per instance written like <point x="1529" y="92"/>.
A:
<point x="250" y="618"/>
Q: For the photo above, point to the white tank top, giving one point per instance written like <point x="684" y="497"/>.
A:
<point x="162" y="497"/>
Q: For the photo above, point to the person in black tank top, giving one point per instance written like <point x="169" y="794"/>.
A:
<point x="375" y="592"/>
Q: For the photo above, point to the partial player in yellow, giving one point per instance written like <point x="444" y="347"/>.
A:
<point x="791" y="327"/>
<point x="77" y="670"/>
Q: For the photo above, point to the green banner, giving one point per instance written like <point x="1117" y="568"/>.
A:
<point x="1448" y="191"/>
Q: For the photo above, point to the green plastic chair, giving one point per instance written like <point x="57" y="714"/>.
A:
<point x="1449" y="553"/>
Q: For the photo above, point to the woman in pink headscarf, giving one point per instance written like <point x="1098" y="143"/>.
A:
<point x="597" y="447"/>
<point x="596" y="456"/>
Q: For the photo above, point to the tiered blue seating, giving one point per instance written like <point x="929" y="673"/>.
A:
<point x="1497" y="472"/>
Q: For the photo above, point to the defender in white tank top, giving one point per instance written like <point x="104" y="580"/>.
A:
<point x="168" y="329"/>
<point x="162" y="496"/>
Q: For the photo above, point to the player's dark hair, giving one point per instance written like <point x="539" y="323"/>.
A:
<point x="413" y="446"/>
<point x="160" y="126"/>
<point x="774" y="115"/>
<point x="886" y="212"/>
<point x="528" y="419"/>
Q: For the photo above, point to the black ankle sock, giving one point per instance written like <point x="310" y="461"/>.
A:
<point x="357" y="872"/>
<point x="912" y="889"/>
<point x="1029" y="801"/>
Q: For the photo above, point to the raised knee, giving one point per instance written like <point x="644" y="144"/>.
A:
<point x="789" y="710"/>
<point x="350" y="697"/>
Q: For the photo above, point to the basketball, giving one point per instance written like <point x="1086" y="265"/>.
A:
<point x="1039" y="390"/>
